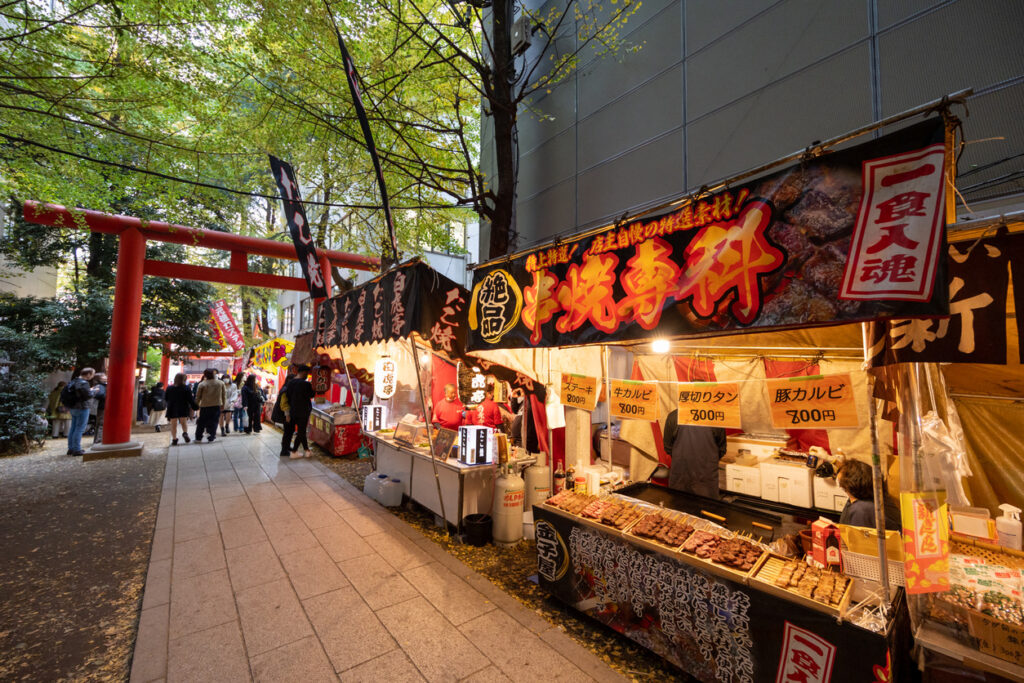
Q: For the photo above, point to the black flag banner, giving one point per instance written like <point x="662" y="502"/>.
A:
<point x="364" y="123"/>
<point x="298" y="226"/>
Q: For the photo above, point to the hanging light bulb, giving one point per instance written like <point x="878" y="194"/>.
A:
<point x="660" y="345"/>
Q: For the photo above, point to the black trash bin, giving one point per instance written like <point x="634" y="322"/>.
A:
<point x="478" y="529"/>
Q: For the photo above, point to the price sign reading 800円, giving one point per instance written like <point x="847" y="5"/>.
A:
<point x="634" y="400"/>
<point x="815" y="402"/>
<point x="709" y="404"/>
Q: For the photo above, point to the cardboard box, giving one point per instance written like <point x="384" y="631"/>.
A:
<point x="823" y="551"/>
<point x="828" y="495"/>
<point x="787" y="483"/>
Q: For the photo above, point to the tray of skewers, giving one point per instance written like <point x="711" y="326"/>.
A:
<point x="570" y="501"/>
<point x="821" y="589"/>
<point x="613" y="512"/>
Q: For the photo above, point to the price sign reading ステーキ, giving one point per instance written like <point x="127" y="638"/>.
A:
<point x="634" y="400"/>
<point x="812" y="402"/>
<point x="709" y="404"/>
<point x="579" y="391"/>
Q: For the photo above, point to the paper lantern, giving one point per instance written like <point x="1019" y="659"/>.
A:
<point x="385" y="376"/>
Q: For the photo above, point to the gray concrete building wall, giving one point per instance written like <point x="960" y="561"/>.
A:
<point x="720" y="86"/>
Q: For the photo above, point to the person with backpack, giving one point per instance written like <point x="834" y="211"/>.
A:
<point x="180" y="405"/>
<point x="99" y="395"/>
<point x="75" y="397"/>
<point x="210" y="396"/>
<point x="57" y="413"/>
<point x="157" y="406"/>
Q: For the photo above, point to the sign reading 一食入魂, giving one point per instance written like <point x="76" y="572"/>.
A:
<point x="709" y="404"/>
<point x="633" y="400"/>
<point x="579" y="391"/>
<point x="815" y="402"/>
<point x="764" y="254"/>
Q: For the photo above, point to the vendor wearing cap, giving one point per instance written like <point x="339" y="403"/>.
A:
<point x="854" y="477"/>
<point x="448" y="411"/>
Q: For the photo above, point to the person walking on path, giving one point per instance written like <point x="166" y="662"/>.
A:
<point x="237" y="409"/>
<point x="99" y="394"/>
<point x="297" y="404"/>
<point x="252" y="401"/>
<point x="157" y="406"/>
<point x="230" y="394"/>
<point x="180" y="405"/>
<point x="57" y="413"/>
<point x="79" y="393"/>
<point x="210" y="398"/>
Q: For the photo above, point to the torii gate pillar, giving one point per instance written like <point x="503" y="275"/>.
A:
<point x="124" y="350"/>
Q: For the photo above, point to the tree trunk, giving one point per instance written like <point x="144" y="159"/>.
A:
<point x="246" y="312"/>
<point x="503" y="111"/>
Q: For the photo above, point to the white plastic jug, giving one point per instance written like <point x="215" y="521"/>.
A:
<point x="370" y="484"/>
<point x="391" y="493"/>
<point x="377" y="486"/>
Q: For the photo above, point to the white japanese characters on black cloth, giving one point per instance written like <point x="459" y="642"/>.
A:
<point x="687" y="603"/>
<point x="397" y="306"/>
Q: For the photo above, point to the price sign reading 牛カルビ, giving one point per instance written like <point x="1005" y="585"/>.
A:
<point x="812" y="402"/>
<point x="709" y="404"/>
<point x="579" y="391"/>
<point x="634" y="400"/>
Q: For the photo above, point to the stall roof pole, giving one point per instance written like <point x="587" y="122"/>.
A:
<point x="879" y="488"/>
<point x="430" y="435"/>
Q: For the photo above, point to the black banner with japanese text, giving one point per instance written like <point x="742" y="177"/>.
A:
<point x="975" y="331"/>
<point x="772" y="253"/>
<point x="298" y="226"/>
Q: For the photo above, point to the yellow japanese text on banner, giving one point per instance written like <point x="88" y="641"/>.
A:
<point x="709" y="404"/>
<point x="579" y="391"/>
<point x="634" y="400"/>
<point x="814" y="402"/>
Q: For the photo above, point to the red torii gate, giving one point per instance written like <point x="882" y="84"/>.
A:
<point x="132" y="265"/>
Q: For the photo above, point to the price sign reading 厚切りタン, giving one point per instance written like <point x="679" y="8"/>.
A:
<point x="709" y="404"/>
<point x="634" y="400"/>
<point x="812" y="402"/>
<point x="579" y="391"/>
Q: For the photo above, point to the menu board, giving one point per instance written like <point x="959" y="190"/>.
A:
<point x="815" y="402"/>
<point x="579" y="391"/>
<point x="709" y="404"/>
<point x="444" y="440"/>
<point x="634" y="400"/>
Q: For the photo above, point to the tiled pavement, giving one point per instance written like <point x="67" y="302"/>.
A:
<point x="272" y="569"/>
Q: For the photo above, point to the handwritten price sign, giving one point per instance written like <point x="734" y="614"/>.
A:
<point x="814" y="402"/>
<point x="579" y="391"/>
<point x="709" y="404"/>
<point x="634" y="400"/>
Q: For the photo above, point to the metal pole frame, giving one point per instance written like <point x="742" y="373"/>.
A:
<point x="430" y="441"/>
<point x="878" y="484"/>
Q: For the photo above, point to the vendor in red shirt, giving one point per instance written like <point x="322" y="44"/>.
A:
<point x="448" y="412"/>
<point x="488" y="413"/>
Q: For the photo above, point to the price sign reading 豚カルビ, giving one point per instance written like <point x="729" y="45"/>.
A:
<point x="579" y="391"/>
<point x="812" y="402"/>
<point x="634" y="400"/>
<point x="709" y="404"/>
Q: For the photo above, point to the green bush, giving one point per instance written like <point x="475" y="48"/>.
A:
<point x="21" y="391"/>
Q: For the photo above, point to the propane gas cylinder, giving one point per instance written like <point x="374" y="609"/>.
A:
<point x="509" y="490"/>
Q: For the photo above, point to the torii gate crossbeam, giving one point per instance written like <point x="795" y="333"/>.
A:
<point x="132" y="266"/>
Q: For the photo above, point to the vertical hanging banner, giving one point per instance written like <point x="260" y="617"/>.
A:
<point x="226" y="324"/>
<point x="925" y="542"/>
<point x="215" y="333"/>
<point x="364" y="123"/>
<point x="298" y="226"/>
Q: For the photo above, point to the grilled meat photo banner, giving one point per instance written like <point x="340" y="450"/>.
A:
<point x="853" y="235"/>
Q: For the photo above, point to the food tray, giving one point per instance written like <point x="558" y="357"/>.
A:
<point x="763" y="578"/>
<point x="671" y="514"/>
<point x="724" y="570"/>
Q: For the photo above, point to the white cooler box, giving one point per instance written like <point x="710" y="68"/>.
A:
<point x="787" y="483"/>
<point x="828" y="495"/>
<point x="740" y="475"/>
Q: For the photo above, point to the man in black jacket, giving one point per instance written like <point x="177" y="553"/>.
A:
<point x="79" y="408"/>
<point x="297" y="404"/>
<point x="695" y="454"/>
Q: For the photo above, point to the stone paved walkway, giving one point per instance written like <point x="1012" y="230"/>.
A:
<point x="272" y="569"/>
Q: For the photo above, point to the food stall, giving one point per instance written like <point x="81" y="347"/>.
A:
<point x="741" y="295"/>
<point x="268" y="362"/>
<point x="406" y="329"/>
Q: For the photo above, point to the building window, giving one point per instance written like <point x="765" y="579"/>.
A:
<point x="288" y="319"/>
<point x="305" y="314"/>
